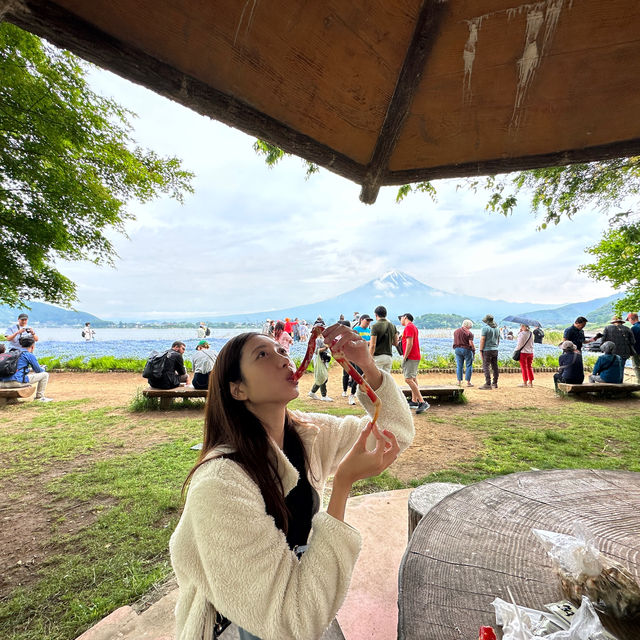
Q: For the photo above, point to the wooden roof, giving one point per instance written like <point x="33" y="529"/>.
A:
<point x="380" y="91"/>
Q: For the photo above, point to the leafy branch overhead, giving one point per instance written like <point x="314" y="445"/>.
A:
<point x="273" y="154"/>
<point x="68" y="169"/>
<point x="609" y="186"/>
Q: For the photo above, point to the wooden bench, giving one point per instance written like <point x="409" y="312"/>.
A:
<point x="10" y="396"/>
<point x="600" y="388"/>
<point x="447" y="393"/>
<point x="167" y="396"/>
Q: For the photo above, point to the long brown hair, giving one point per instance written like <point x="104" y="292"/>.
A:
<point x="229" y="422"/>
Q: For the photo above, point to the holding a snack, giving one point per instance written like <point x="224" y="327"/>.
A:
<point x="243" y="548"/>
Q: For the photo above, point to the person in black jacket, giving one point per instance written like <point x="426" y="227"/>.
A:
<point x="174" y="372"/>
<point x="571" y="368"/>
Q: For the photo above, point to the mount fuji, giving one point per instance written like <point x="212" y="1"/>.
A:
<point x="399" y="293"/>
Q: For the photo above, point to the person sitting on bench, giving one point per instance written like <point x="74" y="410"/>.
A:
<point x="173" y="372"/>
<point x="203" y="361"/>
<point x="608" y="367"/>
<point x="25" y="361"/>
<point x="571" y="369"/>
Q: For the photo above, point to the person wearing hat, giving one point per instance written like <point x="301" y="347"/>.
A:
<point x="20" y="329"/>
<point x="635" y="329"/>
<point x="608" y="367"/>
<point x="489" y="341"/>
<point x="623" y="339"/>
<point x="202" y="361"/>
<point x="410" y="361"/>
<point x="571" y="369"/>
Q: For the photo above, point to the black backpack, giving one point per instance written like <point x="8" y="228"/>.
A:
<point x="9" y="363"/>
<point x="154" y="368"/>
<point x="207" y="333"/>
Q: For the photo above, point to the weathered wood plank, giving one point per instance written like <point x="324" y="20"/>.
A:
<point x="18" y="392"/>
<point x="178" y="392"/>
<point x="167" y="396"/>
<point x="436" y="392"/>
<point x="424" y="38"/>
<point x="598" y="387"/>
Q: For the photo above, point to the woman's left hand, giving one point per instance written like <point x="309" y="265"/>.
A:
<point x="349" y="344"/>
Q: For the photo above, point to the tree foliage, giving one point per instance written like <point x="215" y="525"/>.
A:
<point x="273" y="154"/>
<point x="609" y="186"/>
<point x="68" y="169"/>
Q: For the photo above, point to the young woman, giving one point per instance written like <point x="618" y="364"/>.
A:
<point x="282" y="336"/>
<point x="254" y="495"/>
<point x="525" y="344"/>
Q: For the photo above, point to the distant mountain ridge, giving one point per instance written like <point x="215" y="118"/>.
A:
<point x="47" y="314"/>
<point x="598" y="311"/>
<point x="401" y="293"/>
<point x="397" y="291"/>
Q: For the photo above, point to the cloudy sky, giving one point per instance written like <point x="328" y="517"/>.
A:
<point x="253" y="238"/>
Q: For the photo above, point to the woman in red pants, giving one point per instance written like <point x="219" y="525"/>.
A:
<point x="525" y="344"/>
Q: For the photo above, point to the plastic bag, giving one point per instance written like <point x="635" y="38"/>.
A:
<point x="529" y="624"/>
<point x="584" y="571"/>
<point x="523" y="624"/>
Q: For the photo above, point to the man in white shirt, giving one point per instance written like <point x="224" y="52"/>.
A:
<point x="19" y="330"/>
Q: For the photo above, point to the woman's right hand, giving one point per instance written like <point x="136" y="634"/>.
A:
<point x="361" y="463"/>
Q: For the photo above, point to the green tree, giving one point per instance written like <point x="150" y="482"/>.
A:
<point x="68" y="169"/>
<point x="608" y="186"/>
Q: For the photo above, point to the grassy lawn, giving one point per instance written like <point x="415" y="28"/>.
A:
<point x="109" y="481"/>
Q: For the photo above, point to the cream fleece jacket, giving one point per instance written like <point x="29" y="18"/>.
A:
<point x="228" y="555"/>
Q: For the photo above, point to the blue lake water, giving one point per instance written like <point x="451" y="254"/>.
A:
<point x="67" y="343"/>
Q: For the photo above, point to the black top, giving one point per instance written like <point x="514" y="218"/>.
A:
<point x="575" y="335"/>
<point x="571" y="369"/>
<point x="173" y="369"/>
<point x="302" y="501"/>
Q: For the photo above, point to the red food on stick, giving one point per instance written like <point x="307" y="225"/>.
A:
<point x="311" y="347"/>
<point x="487" y="633"/>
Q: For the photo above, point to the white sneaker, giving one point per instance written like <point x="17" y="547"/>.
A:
<point x="311" y="394"/>
<point x="43" y="399"/>
<point x="344" y="394"/>
<point x="352" y="399"/>
<point x="326" y="399"/>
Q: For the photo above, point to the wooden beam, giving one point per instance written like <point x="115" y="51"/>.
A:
<point x="621" y="149"/>
<point x="424" y="37"/>
<point x="66" y="30"/>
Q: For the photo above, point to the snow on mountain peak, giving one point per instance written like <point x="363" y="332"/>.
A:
<point x="392" y="280"/>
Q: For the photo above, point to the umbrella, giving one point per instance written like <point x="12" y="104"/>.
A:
<point x="522" y="320"/>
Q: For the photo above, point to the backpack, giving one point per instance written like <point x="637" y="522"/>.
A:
<point x="154" y="368"/>
<point x="207" y="333"/>
<point x="9" y="363"/>
<point x="399" y="344"/>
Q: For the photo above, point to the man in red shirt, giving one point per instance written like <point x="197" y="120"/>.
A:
<point x="410" y="360"/>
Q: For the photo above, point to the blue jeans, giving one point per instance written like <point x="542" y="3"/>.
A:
<point x="463" y="356"/>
